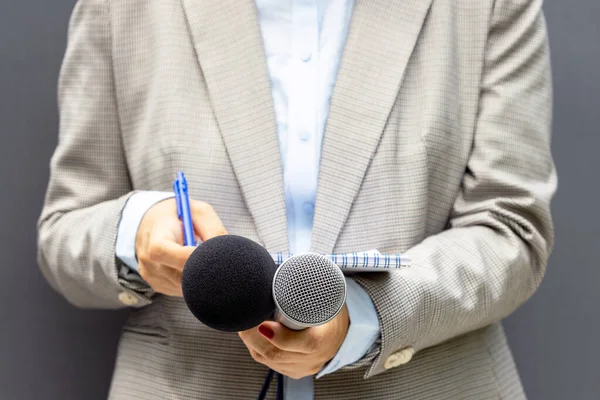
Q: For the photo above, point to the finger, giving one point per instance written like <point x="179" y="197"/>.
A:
<point x="306" y="341"/>
<point x="166" y="252"/>
<point x="256" y="342"/>
<point x="158" y="278"/>
<point x="207" y="223"/>
<point x="173" y="276"/>
<point x="170" y="290"/>
<point x="289" y="364"/>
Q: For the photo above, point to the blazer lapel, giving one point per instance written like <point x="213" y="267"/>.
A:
<point x="380" y="41"/>
<point x="228" y="43"/>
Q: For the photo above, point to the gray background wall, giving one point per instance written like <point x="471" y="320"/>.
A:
<point x="50" y="350"/>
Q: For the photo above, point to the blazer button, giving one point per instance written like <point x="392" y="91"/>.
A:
<point x="128" y="299"/>
<point x="399" y="358"/>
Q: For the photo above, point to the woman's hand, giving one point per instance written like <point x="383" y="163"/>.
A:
<point x="159" y="243"/>
<point x="296" y="354"/>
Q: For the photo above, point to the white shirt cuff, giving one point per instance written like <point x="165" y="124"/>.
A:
<point x="363" y="331"/>
<point x="131" y="217"/>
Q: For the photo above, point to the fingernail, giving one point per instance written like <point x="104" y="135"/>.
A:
<point x="266" y="332"/>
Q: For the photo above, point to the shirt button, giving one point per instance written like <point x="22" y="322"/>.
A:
<point x="309" y="208"/>
<point x="304" y="135"/>
<point x="128" y="299"/>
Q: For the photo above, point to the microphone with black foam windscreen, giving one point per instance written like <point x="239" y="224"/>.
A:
<point x="231" y="283"/>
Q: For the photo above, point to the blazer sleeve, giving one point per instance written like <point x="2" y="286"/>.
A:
<point x="493" y="255"/>
<point x="89" y="183"/>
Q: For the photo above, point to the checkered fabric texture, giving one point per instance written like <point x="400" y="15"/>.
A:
<point x="437" y="147"/>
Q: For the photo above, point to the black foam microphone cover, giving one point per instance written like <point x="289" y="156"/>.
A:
<point x="227" y="283"/>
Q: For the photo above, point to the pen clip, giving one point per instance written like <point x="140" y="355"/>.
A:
<point x="176" y="189"/>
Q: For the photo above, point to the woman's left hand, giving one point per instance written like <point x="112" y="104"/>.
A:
<point x="296" y="354"/>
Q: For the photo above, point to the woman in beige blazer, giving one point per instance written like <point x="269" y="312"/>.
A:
<point x="437" y="145"/>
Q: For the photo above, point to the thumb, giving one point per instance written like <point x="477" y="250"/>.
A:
<point x="207" y="223"/>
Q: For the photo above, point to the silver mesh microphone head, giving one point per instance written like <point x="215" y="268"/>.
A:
<point x="309" y="290"/>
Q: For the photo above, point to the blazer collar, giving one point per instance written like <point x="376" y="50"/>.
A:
<point x="228" y="43"/>
<point x="380" y="41"/>
<point x="229" y="46"/>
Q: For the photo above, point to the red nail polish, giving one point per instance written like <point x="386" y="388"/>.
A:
<point x="266" y="331"/>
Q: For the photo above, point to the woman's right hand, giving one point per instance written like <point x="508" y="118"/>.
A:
<point x="159" y="243"/>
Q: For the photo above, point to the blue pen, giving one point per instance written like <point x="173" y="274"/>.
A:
<point x="182" y="199"/>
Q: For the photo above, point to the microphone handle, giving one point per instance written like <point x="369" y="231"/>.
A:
<point x="368" y="261"/>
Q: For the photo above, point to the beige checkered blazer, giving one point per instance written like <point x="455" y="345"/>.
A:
<point x="437" y="145"/>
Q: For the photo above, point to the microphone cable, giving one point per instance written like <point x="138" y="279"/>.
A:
<point x="267" y="383"/>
